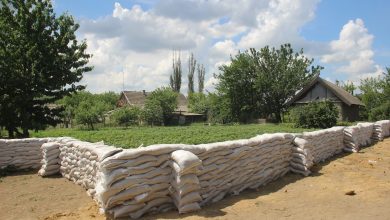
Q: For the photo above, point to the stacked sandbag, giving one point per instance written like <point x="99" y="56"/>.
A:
<point x="136" y="181"/>
<point x="185" y="185"/>
<point x="232" y="166"/>
<point x="51" y="159"/>
<point x="381" y="130"/>
<point x="302" y="159"/>
<point x="21" y="153"/>
<point x="358" y="136"/>
<point x="323" y="144"/>
<point x="80" y="161"/>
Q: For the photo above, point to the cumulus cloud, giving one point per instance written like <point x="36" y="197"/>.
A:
<point x="353" y="52"/>
<point x="134" y="45"/>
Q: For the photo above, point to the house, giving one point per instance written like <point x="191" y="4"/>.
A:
<point x="320" y="89"/>
<point x="181" y="114"/>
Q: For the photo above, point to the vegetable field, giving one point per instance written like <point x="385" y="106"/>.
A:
<point x="132" y="137"/>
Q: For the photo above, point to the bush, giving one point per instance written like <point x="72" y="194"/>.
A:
<point x="219" y="109"/>
<point x="381" y="112"/>
<point x="166" y="99"/>
<point x="153" y="113"/>
<point x="197" y="103"/>
<point x="87" y="114"/>
<point x="315" y="115"/>
<point x="127" y="116"/>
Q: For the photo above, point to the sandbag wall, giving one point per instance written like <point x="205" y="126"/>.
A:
<point x="358" y="136"/>
<point x="323" y="144"/>
<point x="381" y="130"/>
<point x="21" y="153"/>
<point x="161" y="177"/>
<point x="80" y="161"/>
<point x="232" y="166"/>
<point x="136" y="181"/>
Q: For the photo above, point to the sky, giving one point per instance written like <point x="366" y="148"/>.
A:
<point x="132" y="41"/>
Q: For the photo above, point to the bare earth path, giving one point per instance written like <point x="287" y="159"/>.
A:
<point x="320" y="196"/>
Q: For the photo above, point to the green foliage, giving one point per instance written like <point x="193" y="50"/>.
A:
<point x="159" y="105"/>
<point x="198" y="103"/>
<point x="110" y="98"/>
<point x="258" y="83"/>
<point x="89" y="113"/>
<point x="102" y="102"/>
<point x="127" y="116"/>
<point x="315" y="115"/>
<point x="175" y="78"/>
<point x="201" y="74"/>
<point x="191" y="72"/>
<point x="153" y="113"/>
<point x="195" y="134"/>
<point x="219" y="109"/>
<point x="349" y="87"/>
<point x="375" y="94"/>
<point x="381" y="112"/>
<point x="40" y="62"/>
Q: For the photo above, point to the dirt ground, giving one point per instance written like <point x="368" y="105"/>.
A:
<point x="365" y="175"/>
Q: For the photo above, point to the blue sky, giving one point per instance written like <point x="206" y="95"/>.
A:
<point x="133" y="40"/>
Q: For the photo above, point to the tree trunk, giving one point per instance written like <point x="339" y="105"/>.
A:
<point x="278" y="117"/>
<point x="11" y="133"/>
<point x="26" y="134"/>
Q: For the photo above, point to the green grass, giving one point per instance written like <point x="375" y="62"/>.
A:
<point x="195" y="134"/>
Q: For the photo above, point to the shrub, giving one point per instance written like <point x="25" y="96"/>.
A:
<point x="127" y="116"/>
<point x="87" y="114"/>
<point x="197" y="103"/>
<point x="322" y="114"/>
<point x="166" y="99"/>
<point x="153" y="113"/>
<point x="381" y="112"/>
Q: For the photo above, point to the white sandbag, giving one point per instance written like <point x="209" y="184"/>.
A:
<point x="185" y="159"/>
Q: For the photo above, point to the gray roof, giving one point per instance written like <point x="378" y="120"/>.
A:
<point x="138" y="98"/>
<point x="343" y="95"/>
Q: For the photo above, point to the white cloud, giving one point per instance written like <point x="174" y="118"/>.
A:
<point x="138" y="43"/>
<point x="353" y="52"/>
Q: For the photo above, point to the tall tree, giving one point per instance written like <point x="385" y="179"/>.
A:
<point x="349" y="87"/>
<point x="201" y="74"/>
<point x="40" y="62"/>
<point x="175" y="78"/>
<point x="259" y="82"/>
<point x="191" y="72"/>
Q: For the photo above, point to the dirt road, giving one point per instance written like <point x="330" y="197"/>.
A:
<point x="365" y="176"/>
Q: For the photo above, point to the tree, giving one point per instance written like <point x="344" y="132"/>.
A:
<point x="164" y="97"/>
<point x="258" y="83"/>
<point x="104" y="102"/>
<point x="349" y="87"/>
<point x="371" y="92"/>
<point x="40" y="62"/>
<point x="198" y="103"/>
<point x="127" y="116"/>
<point x="191" y="72"/>
<point x="153" y="113"/>
<point x="375" y="94"/>
<point x="87" y="114"/>
<point x="175" y="78"/>
<point x="219" y="109"/>
<point x="201" y="75"/>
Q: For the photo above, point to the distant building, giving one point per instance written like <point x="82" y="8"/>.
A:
<point x="138" y="98"/>
<point x="320" y="89"/>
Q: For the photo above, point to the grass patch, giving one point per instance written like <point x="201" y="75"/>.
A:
<point x="132" y="137"/>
